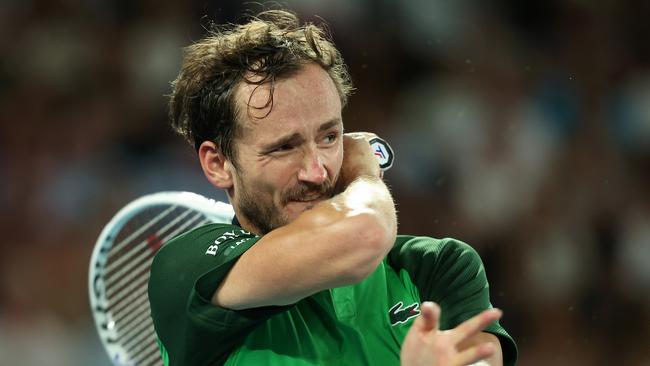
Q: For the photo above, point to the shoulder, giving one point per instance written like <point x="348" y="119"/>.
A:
<point x="184" y="274"/>
<point x="208" y="233"/>
<point x="205" y="240"/>
<point x="180" y="264"/>
<point x="442" y="249"/>
<point x="437" y="261"/>
<point x="199" y="250"/>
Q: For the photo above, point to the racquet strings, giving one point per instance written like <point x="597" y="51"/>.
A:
<point x="126" y="276"/>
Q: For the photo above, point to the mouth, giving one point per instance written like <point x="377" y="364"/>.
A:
<point x="310" y="201"/>
<point x="307" y="199"/>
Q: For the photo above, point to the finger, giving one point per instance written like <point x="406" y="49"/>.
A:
<point x="475" y="354"/>
<point x="429" y="315"/>
<point x="359" y="135"/>
<point x="474" y="325"/>
<point x="420" y="323"/>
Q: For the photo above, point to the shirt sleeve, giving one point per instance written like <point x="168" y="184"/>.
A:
<point x="450" y="273"/>
<point x="185" y="274"/>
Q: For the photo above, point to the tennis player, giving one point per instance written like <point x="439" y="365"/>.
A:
<point x="311" y="271"/>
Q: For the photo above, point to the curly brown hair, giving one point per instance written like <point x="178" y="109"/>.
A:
<point x="271" y="45"/>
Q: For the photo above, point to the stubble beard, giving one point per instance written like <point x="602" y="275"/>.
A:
<point x="265" y="216"/>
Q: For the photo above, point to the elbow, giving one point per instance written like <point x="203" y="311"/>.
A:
<point x="380" y="237"/>
<point x="371" y="243"/>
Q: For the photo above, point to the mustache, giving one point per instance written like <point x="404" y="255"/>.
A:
<point x="306" y="191"/>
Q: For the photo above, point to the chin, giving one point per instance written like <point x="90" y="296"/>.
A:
<point x="295" y="209"/>
<point x="293" y="214"/>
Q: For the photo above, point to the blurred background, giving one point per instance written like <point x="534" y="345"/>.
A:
<point x="522" y="128"/>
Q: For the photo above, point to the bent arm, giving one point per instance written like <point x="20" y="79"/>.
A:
<point x="452" y="274"/>
<point x="338" y="242"/>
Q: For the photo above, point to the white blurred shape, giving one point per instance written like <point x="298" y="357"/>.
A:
<point x="634" y="252"/>
<point x="558" y="263"/>
<point x="153" y="56"/>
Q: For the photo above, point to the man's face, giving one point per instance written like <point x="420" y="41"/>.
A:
<point x="289" y="160"/>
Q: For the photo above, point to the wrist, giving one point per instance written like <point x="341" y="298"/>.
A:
<point x="361" y="172"/>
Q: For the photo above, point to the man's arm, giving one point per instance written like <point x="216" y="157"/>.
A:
<point x="452" y="274"/>
<point x="338" y="242"/>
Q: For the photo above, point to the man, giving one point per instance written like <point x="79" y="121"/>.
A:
<point x="311" y="272"/>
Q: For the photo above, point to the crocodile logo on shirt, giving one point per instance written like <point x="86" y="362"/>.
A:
<point x="398" y="314"/>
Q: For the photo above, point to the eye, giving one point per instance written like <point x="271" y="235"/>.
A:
<point x="331" y="137"/>
<point x="281" y="148"/>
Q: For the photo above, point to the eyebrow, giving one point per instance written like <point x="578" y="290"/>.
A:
<point x="296" y="136"/>
<point x="329" y="124"/>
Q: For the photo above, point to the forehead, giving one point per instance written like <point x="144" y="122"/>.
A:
<point x="302" y="101"/>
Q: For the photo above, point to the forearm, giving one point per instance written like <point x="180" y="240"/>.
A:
<point x="357" y="228"/>
<point x="338" y="242"/>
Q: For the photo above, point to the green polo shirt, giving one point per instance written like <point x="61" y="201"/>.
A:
<point x="360" y="324"/>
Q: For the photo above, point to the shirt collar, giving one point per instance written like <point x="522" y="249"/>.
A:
<point x="235" y="221"/>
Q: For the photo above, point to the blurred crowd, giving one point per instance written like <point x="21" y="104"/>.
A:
<point x="521" y="128"/>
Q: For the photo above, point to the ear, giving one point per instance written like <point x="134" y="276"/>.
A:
<point x="215" y="166"/>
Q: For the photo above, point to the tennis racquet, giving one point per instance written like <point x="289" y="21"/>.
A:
<point x="120" y="263"/>
<point x="121" y="259"/>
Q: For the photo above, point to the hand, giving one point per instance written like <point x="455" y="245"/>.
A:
<point x="358" y="159"/>
<point x="425" y="345"/>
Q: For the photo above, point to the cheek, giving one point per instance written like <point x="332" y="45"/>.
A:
<point x="336" y="162"/>
<point x="250" y="185"/>
<point x="270" y="183"/>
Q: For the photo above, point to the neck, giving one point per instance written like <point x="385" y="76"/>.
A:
<point x="245" y="224"/>
<point x="242" y="221"/>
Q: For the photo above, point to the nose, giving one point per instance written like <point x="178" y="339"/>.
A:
<point x="313" y="170"/>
